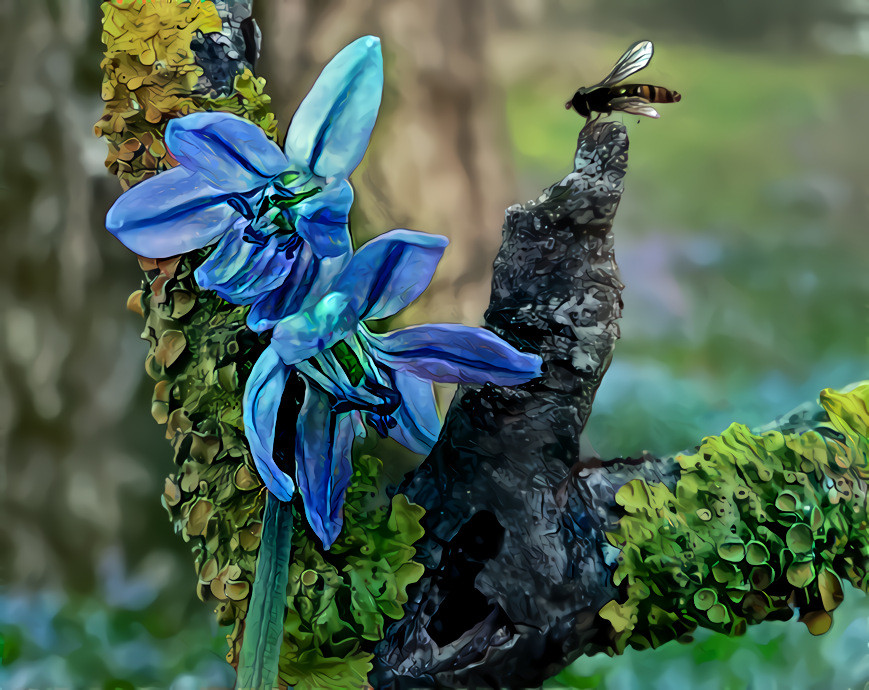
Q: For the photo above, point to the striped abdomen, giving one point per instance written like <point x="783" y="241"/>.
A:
<point x="653" y="94"/>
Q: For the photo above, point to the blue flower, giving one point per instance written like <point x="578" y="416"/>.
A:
<point x="354" y="377"/>
<point x="277" y="219"/>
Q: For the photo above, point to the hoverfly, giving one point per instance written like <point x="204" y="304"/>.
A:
<point x="604" y="97"/>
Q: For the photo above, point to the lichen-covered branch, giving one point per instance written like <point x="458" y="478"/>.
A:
<point x="166" y="59"/>
<point x="200" y="349"/>
<point x="757" y="526"/>
<point x="535" y="553"/>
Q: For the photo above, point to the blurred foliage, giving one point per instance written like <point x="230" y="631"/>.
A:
<point x="784" y="23"/>
<point x="52" y="639"/>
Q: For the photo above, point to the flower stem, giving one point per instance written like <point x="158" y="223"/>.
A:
<point x="264" y="625"/>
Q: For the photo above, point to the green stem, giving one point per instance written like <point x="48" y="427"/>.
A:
<point x="264" y="624"/>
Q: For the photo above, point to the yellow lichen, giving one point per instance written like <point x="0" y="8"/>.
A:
<point x="149" y="76"/>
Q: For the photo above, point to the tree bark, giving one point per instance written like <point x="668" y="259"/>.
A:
<point x="536" y="553"/>
<point x="507" y="585"/>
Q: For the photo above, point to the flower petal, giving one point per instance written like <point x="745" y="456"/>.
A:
<point x="418" y="424"/>
<point x="304" y="281"/>
<point x="452" y="353"/>
<point x="331" y="128"/>
<point x="310" y="331"/>
<point x="240" y="271"/>
<point x="262" y="400"/>
<point x="171" y="213"/>
<point x="322" y="220"/>
<point x="230" y="152"/>
<point x="391" y="271"/>
<point x="323" y="465"/>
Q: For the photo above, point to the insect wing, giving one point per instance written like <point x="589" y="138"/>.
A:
<point x="635" y="58"/>
<point x="636" y="106"/>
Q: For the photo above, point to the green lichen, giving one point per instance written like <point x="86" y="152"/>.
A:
<point x="249" y="100"/>
<point x="200" y="349"/>
<point x="758" y="525"/>
<point x="200" y="354"/>
<point x="339" y="601"/>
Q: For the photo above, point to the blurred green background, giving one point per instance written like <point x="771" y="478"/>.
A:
<point x="741" y="238"/>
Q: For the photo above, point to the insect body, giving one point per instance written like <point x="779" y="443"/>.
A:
<point x="605" y="97"/>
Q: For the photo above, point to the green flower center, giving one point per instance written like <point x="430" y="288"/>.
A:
<point x="274" y="205"/>
<point x="349" y="362"/>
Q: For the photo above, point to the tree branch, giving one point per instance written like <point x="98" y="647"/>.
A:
<point x="535" y="554"/>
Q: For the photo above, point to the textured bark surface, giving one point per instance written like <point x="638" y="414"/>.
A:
<point x="517" y="565"/>
<point x="224" y="54"/>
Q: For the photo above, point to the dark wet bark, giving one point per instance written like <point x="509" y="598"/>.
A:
<point x="517" y="562"/>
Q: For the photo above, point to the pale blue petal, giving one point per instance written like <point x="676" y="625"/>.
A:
<point x="323" y="463"/>
<point x="323" y="374"/>
<point x="389" y="272"/>
<point x="171" y="213"/>
<point x="230" y="152"/>
<point x="331" y="128"/>
<point x="309" y="332"/>
<point x="262" y="400"/>
<point x="418" y="423"/>
<point x="306" y="279"/>
<point x="452" y="353"/>
<point x="322" y="219"/>
<point x="242" y="272"/>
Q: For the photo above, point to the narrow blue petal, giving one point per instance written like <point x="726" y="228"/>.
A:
<point x="171" y="213"/>
<point x="319" y="371"/>
<point x="452" y="353"/>
<point x="242" y="272"/>
<point x="230" y="152"/>
<point x="323" y="464"/>
<point x="322" y="220"/>
<point x="262" y="399"/>
<point x="306" y="279"/>
<point x="330" y="130"/>
<point x="389" y="272"/>
<point x="418" y="423"/>
<point x="310" y="331"/>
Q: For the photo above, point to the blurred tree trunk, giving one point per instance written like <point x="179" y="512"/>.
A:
<point x="76" y="470"/>
<point x="439" y="159"/>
